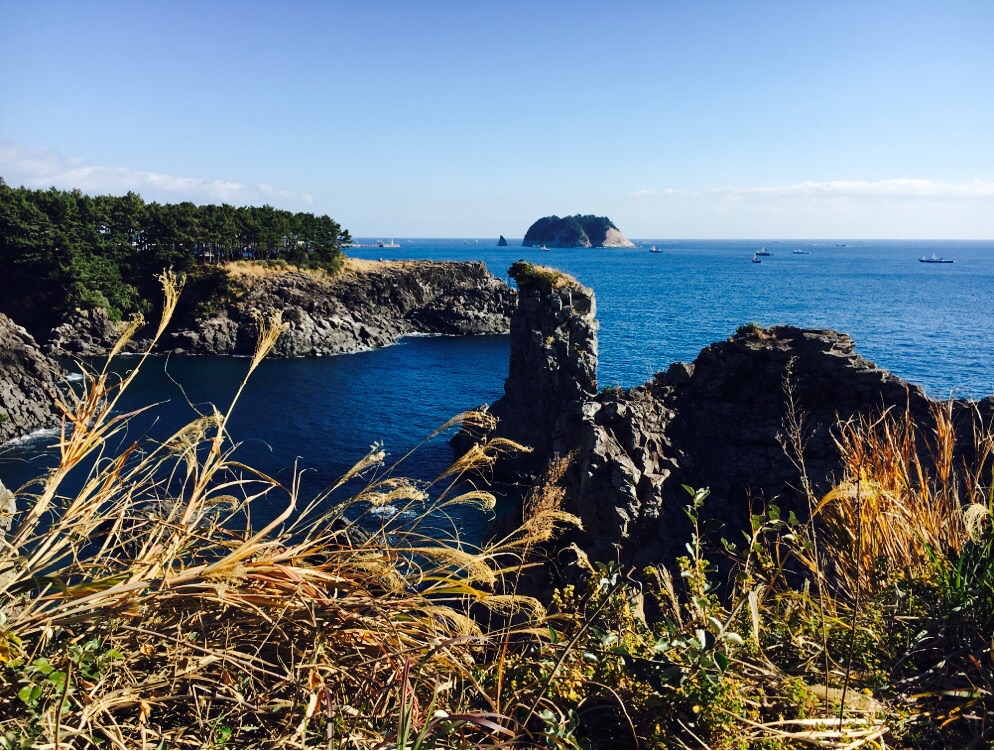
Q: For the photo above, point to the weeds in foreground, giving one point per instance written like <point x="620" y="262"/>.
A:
<point x="145" y="610"/>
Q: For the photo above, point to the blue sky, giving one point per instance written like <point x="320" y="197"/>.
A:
<point x="703" y="119"/>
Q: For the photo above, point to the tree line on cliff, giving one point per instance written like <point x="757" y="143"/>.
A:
<point x="63" y="249"/>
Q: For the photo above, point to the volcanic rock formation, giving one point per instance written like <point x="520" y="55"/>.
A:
<point x="742" y="419"/>
<point x="575" y="232"/>
<point x="28" y="381"/>
<point x="369" y="305"/>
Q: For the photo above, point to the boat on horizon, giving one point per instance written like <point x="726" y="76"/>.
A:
<point x="763" y="252"/>
<point x="935" y="259"/>
<point x="654" y="249"/>
<point x="756" y="258"/>
<point x="543" y="247"/>
<point x="802" y="252"/>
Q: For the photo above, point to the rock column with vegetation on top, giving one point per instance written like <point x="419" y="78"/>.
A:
<point x="727" y="421"/>
<point x="553" y="363"/>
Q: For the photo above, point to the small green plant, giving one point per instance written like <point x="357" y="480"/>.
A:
<point x="751" y="329"/>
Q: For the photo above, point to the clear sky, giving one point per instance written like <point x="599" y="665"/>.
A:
<point x="682" y="118"/>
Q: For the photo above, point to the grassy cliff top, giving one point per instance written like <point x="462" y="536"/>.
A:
<point x="534" y="276"/>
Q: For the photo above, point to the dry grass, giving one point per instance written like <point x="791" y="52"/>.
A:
<point x="363" y="266"/>
<point x="902" y="497"/>
<point x="145" y="610"/>
<point x="534" y="275"/>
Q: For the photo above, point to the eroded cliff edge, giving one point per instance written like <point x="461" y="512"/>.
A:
<point x="368" y="305"/>
<point x="727" y="421"/>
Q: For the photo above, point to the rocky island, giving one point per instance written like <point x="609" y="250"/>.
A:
<point x="578" y="231"/>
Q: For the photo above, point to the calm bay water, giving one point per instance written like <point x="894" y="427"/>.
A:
<point x="931" y="324"/>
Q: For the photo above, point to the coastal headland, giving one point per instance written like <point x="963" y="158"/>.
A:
<point x="755" y="418"/>
<point x="367" y="304"/>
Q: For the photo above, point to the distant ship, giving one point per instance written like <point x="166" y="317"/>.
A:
<point x="756" y="258"/>
<point x="654" y="249"/>
<point x="935" y="259"/>
<point x="763" y="252"/>
<point x="802" y="252"/>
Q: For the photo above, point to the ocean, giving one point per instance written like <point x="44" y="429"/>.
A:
<point x="931" y="324"/>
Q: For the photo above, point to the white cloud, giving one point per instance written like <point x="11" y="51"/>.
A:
<point x="895" y="208"/>
<point x="41" y="168"/>
<point x="895" y="188"/>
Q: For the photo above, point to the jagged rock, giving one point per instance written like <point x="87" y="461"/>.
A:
<point x="502" y="243"/>
<point x="723" y="422"/>
<point x="87" y="333"/>
<point x="28" y="381"/>
<point x="553" y="363"/>
<point x="369" y="305"/>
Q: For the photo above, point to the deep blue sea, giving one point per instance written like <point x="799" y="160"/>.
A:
<point x="932" y="324"/>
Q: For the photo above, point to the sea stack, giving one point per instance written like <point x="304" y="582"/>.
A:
<point x="723" y="422"/>
<point x="575" y="232"/>
<point x="502" y="243"/>
<point x="553" y="365"/>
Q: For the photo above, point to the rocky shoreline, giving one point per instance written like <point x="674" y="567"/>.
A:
<point x="29" y="382"/>
<point x="368" y="305"/>
<point x="741" y="419"/>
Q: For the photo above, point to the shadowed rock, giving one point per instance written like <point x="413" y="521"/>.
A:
<point x="28" y="380"/>
<point x="727" y="421"/>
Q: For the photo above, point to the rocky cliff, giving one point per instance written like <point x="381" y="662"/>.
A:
<point x="28" y="380"/>
<point x="369" y="305"/>
<point x="553" y="363"/>
<point x="724" y="421"/>
<point x="575" y="232"/>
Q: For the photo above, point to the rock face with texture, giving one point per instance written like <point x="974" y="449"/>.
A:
<point x="367" y="306"/>
<point x="724" y="422"/>
<point x="86" y="333"/>
<point x="553" y="362"/>
<point x="575" y="232"/>
<point x="28" y="381"/>
<point x="502" y="243"/>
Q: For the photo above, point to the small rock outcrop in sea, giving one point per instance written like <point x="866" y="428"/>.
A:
<point x="502" y="243"/>
<point x="724" y="422"/>
<point x="366" y="306"/>
<point x="553" y="363"/>
<point x="28" y="381"/>
<point x="575" y="232"/>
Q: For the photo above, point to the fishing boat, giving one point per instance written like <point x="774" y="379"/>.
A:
<point x="543" y="247"/>
<point x="802" y="252"/>
<point x="756" y="258"/>
<point x="935" y="259"/>
<point x="654" y="249"/>
<point x="763" y="252"/>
